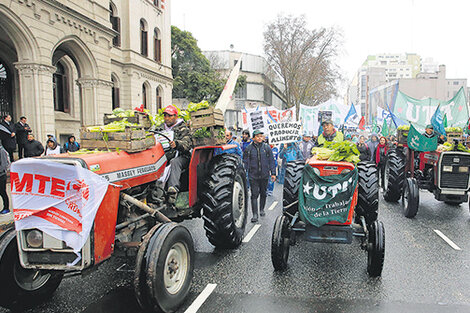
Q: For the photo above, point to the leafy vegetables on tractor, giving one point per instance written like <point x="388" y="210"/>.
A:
<point x="202" y="132"/>
<point x="116" y="126"/>
<point x="453" y="129"/>
<point x="404" y="127"/>
<point x="338" y="151"/>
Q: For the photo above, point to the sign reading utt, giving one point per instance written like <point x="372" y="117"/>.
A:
<point x="284" y="132"/>
<point x="57" y="198"/>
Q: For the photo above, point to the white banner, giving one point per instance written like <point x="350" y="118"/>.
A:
<point x="283" y="132"/>
<point x="59" y="199"/>
<point x="260" y="117"/>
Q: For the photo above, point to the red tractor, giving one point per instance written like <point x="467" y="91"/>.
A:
<point x="444" y="173"/>
<point x="361" y="220"/>
<point x="134" y="218"/>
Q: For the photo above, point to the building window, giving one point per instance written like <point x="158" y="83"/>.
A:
<point x="159" y="98"/>
<point x="143" y="38"/>
<point x="115" y="24"/>
<point x="60" y="89"/>
<point x="456" y="82"/>
<point x="144" y="95"/>
<point x="115" y="93"/>
<point x="157" y="46"/>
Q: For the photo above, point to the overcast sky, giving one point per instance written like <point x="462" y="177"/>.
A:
<point x="430" y="28"/>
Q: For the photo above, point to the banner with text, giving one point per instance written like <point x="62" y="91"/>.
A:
<point x="283" y="132"/>
<point x="419" y="112"/>
<point x="59" y="199"/>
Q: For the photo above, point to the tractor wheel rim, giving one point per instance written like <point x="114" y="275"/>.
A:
<point x="29" y="279"/>
<point x="176" y="268"/>
<point x="238" y="204"/>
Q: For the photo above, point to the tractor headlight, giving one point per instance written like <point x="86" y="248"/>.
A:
<point x="463" y="169"/>
<point x="447" y="168"/>
<point x="34" y="239"/>
<point x="317" y="171"/>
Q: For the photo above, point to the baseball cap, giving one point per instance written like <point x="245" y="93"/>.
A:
<point x="429" y="126"/>
<point x="327" y="121"/>
<point x="171" y="110"/>
<point x="306" y="134"/>
<point x="257" y="132"/>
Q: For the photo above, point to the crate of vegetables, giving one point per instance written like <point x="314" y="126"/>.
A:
<point x="208" y="136"/>
<point x="207" y="117"/>
<point x="119" y="135"/>
<point x="131" y="116"/>
<point x="402" y="134"/>
<point x="454" y="133"/>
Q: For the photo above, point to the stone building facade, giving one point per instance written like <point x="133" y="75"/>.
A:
<point x="64" y="63"/>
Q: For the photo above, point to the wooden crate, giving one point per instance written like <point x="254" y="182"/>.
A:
<point x="213" y="141"/>
<point x="207" y="118"/>
<point x="402" y="136"/>
<point x="128" y="146"/>
<point x="454" y="135"/>
<point x="138" y="118"/>
<point x="128" y="134"/>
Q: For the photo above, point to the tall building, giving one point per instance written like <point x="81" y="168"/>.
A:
<point x="64" y="63"/>
<point x="263" y="87"/>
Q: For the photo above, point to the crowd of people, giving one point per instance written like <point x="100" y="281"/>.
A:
<point x="19" y="136"/>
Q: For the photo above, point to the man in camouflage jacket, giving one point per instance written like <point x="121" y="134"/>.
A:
<point x="179" y="153"/>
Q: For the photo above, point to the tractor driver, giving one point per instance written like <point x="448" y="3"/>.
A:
<point x="180" y="149"/>
<point x="330" y="134"/>
<point x="430" y="133"/>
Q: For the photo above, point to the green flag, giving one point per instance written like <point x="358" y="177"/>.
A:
<point x="323" y="199"/>
<point x="374" y="125"/>
<point x="419" y="142"/>
<point x="444" y="122"/>
<point x="385" y="128"/>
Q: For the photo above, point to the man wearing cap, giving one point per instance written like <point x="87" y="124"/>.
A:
<point x="330" y="134"/>
<point x="259" y="163"/>
<point x="306" y="145"/>
<point x="430" y="133"/>
<point x="180" y="149"/>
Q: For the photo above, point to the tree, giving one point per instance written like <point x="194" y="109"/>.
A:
<point x="303" y="58"/>
<point x="194" y="79"/>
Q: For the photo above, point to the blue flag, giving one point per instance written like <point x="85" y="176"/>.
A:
<point x="437" y="121"/>
<point x="352" y="112"/>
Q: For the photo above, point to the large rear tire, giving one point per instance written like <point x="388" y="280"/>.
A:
<point x="23" y="288"/>
<point x="394" y="176"/>
<point x="280" y="243"/>
<point x="291" y="186"/>
<point x="376" y="249"/>
<point x="410" y="200"/>
<point x="368" y="192"/>
<point x="224" y="201"/>
<point x="165" y="271"/>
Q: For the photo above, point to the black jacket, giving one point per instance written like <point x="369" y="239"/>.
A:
<point x="33" y="148"/>
<point x="22" y="133"/>
<point x="365" y="152"/>
<point x="8" y="142"/>
<point x="259" y="161"/>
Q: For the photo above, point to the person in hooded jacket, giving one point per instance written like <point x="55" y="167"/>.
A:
<point x="289" y="152"/>
<point x="365" y="154"/>
<point x="372" y="144"/>
<point x="71" y="145"/>
<point x="52" y="148"/>
<point x="380" y="159"/>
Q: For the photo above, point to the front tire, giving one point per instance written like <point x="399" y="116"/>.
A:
<point x="376" y="250"/>
<point x="23" y="288"/>
<point x="166" y="269"/>
<point x="368" y="192"/>
<point x="410" y="200"/>
<point x="394" y="176"/>
<point x="224" y="202"/>
<point x="280" y="243"/>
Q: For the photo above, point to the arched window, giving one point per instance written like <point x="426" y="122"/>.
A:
<point x="115" y="24"/>
<point x="144" y="95"/>
<point x="60" y="89"/>
<point x="143" y="38"/>
<point x="157" y="46"/>
<point x="159" y="94"/>
<point x="115" y="92"/>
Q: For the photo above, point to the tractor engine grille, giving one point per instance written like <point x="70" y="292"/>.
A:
<point x="455" y="179"/>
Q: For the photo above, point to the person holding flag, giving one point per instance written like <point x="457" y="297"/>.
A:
<point x="430" y="133"/>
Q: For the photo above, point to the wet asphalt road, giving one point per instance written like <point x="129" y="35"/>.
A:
<point x="422" y="273"/>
